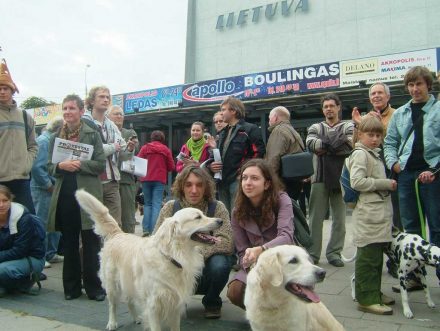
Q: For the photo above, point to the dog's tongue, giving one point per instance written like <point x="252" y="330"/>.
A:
<point x="208" y="237"/>
<point x="304" y="292"/>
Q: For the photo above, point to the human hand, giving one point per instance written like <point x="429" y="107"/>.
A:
<point x="70" y="165"/>
<point x="251" y="255"/>
<point x="426" y="177"/>
<point x="396" y="168"/>
<point x="131" y="145"/>
<point x="117" y="147"/>
<point x="211" y="142"/>
<point x="356" y="115"/>
<point x="216" y="166"/>
<point x="393" y="185"/>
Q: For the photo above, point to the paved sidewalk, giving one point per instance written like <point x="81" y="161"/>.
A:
<point x="49" y="310"/>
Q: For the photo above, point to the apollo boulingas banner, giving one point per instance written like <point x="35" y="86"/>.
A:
<point x="265" y="84"/>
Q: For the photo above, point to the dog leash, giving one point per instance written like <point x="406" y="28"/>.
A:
<point x="419" y="206"/>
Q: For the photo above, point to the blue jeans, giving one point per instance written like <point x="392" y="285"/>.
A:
<point x="429" y="196"/>
<point x="153" y="195"/>
<point x="21" y="188"/>
<point x="214" y="277"/>
<point x="227" y="193"/>
<point x="13" y="272"/>
<point x="41" y="199"/>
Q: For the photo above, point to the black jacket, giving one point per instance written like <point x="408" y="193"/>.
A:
<point x="246" y="143"/>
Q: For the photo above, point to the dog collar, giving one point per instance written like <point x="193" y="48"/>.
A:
<point x="172" y="260"/>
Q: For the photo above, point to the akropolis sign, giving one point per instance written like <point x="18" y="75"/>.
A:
<point x="254" y="14"/>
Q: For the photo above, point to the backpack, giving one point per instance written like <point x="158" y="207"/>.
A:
<point x="211" y="207"/>
<point x="349" y="194"/>
<point x="301" y="233"/>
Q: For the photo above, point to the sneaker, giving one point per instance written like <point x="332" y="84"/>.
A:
<point x="146" y="234"/>
<point x="47" y="265"/>
<point x="386" y="300"/>
<point x="376" y="309"/>
<point x="411" y="286"/>
<point x="213" y="313"/>
<point x="337" y="263"/>
<point x="56" y="259"/>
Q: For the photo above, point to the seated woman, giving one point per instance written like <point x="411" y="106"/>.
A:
<point x="262" y="218"/>
<point x="196" y="150"/>
<point x="21" y="245"/>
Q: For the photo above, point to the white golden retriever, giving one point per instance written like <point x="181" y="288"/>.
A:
<point x="279" y="293"/>
<point x="155" y="275"/>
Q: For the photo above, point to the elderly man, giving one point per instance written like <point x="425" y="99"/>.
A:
<point x="127" y="184"/>
<point x="194" y="187"/>
<point x="283" y="139"/>
<point x="330" y="141"/>
<point x="115" y="147"/>
<point x="18" y="147"/>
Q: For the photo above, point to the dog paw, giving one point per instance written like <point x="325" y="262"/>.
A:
<point x="138" y="320"/>
<point x="431" y="304"/>
<point x="408" y="313"/>
<point x="112" y="326"/>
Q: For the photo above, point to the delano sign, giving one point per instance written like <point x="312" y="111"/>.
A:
<point x="254" y="14"/>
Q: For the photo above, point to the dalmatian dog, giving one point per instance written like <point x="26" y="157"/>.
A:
<point x="411" y="253"/>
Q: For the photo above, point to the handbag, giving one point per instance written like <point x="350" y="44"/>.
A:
<point x="297" y="166"/>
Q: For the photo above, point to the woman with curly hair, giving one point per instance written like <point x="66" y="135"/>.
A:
<point x="262" y="218"/>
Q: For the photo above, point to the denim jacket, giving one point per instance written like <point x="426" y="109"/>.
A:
<point x="399" y="127"/>
<point x="40" y="177"/>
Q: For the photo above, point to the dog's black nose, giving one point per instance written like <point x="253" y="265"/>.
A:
<point x="219" y="222"/>
<point x="320" y="274"/>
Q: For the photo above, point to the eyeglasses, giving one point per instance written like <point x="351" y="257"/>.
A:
<point x="216" y="122"/>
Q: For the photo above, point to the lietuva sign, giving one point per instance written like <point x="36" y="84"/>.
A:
<point x="254" y="14"/>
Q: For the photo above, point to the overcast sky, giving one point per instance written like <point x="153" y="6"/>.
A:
<point x="130" y="45"/>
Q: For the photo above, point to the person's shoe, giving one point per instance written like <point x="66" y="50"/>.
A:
<point x="336" y="263"/>
<point x="72" y="296"/>
<point x="411" y="286"/>
<point x="56" y="259"/>
<point x="3" y="292"/>
<point x="42" y="276"/>
<point x="47" y="265"/>
<point x="376" y="309"/>
<point x="98" y="297"/>
<point x="386" y="300"/>
<point x="213" y="313"/>
<point x="146" y="234"/>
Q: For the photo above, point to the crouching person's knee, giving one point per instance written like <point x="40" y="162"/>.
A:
<point x="235" y="293"/>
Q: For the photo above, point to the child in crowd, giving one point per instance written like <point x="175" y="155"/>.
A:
<point x="373" y="215"/>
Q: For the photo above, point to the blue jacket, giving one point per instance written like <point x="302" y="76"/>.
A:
<point x="399" y="127"/>
<point x="21" y="237"/>
<point x="40" y="177"/>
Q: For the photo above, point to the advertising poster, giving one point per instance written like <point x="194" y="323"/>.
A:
<point x="118" y="100"/>
<point x="212" y="91"/>
<point x="43" y="115"/>
<point x="154" y="99"/>
<point x="264" y="84"/>
<point x="292" y="81"/>
<point x="385" y="68"/>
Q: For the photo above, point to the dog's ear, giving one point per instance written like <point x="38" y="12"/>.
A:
<point x="167" y="230"/>
<point x="272" y="270"/>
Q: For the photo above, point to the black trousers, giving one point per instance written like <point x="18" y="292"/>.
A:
<point x="69" y="221"/>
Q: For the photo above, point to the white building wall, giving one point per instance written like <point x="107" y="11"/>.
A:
<point x="330" y="30"/>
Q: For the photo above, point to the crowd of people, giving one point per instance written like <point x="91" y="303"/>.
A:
<point x="232" y="175"/>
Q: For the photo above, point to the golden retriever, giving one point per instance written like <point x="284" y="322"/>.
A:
<point x="279" y="293"/>
<point x="156" y="275"/>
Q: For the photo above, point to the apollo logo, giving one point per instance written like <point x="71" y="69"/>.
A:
<point x="210" y="92"/>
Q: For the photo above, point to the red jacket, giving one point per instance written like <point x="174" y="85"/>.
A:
<point x="160" y="162"/>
